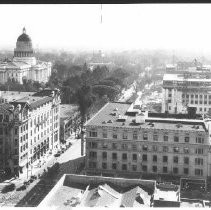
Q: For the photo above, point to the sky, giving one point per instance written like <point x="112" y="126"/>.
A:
<point x="124" y="26"/>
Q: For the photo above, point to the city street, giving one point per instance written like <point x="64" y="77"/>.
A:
<point x="37" y="190"/>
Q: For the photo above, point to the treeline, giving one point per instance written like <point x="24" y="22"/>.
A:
<point x="27" y="86"/>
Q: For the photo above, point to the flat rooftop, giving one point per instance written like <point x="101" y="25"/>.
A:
<point x="67" y="110"/>
<point x="180" y="78"/>
<point x="14" y="95"/>
<point x="167" y="192"/>
<point x="117" y="114"/>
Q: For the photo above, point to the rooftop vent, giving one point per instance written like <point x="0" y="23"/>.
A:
<point x="113" y="113"/>
<point x="116" y="109"/>
<point x="109" y="121"/>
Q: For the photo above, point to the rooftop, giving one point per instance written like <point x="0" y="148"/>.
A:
<point x="166" y="192"/>
<point x="118" y="114"/>
<point x="14" y="95"/>
<point x="94" y="192"/>
<point x="180" y="77"/>
<point x="67" y="110"/>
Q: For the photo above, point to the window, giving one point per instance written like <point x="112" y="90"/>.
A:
<point x="135" y="157"/>
<point x="16" y="142"/>
<point x="198" y="161"/>
<point x="114" y="145"/>
<point x="154" y="158"/>
<point x="165" y="138"/>
<point x="155" y="137"/>
<point x="199" y="151"/>
<point x="186" y="150"/>
<point x="145" y="147"/>
<point x="165" y="149"/>
<point x="15" y="162"/>
<point x="144" y="168"/>
<point x="92" y="164"/>
<point x="145" y="136"/>
<point x="176" y="139"/>
<point x="114" y="166"/>
<point x="135" y="135"/>
<point x="187" y="139"/>
<point x="104" y="145"/>
<point x="92" y="133"/>
<point x="93" y="145"/>
<point x="198" y="172"/>
<point x="124" y="146"/>
<point x="105" y="134"/>
<point x="154" y="148"/>
<point x="124" y="136"/>
<point x="93" y="154"/>
<point x="199" y="140"/>
<point x="124" y="167"/>
<point x="114" y="156"/>
<point x="16" y="151"/>
<point x="114" y="136"/>
<point x="144" y="157"/>
<point x="165" y="159"/>
<point x="154" y="169"/>
<point x="176" y="149"/>
<point x="186" y="171"/>
<point x="104" y="154"/>
<point x="134" y="147"/>
<point x="124" y="156"/>
<point x="16" y="131"/>
<point x="165" y="169"/>
<point x="134" y="167"/>
<point x="176" y="160"/>
<point x="186" y="160"/>
<point x="175" y="170"/>
<point x="104" y="165"/>
<point x="1" y="131"/>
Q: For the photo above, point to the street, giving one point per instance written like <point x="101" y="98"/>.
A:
<point x="37" y="190"/>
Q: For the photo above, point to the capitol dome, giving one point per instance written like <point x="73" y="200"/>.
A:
<point x="24" y="38"/>
<point x="24" y="50"/>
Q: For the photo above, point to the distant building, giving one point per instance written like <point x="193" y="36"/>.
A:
<point x="24" y="64"/>
<point x="69" y="121"/>
<point x="121" y="139"/>
<point x="183" y="91"/>
<point x="29" y="129"/>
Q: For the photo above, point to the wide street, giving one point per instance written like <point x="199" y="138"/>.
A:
<point x="37" y="190"/>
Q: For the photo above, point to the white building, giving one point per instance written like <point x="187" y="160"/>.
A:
<point x="181" y="92"/>
<point x="121" y="139"/>
<point x="24" y="64"/>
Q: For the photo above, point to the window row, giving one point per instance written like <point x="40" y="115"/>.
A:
<point x="145" y="137"/>
<point x="146" y="148"/>
<point x="145" y="168"/>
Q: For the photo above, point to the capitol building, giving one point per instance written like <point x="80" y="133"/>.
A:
<point x="24" y="65"/>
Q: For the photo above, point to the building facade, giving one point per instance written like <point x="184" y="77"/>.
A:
<point x="121" y="139"/>
<point x="29" y="129"/>
<point x="24" y="65"/>
<point x="181" y="91"/>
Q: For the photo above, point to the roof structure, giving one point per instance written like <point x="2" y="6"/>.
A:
<point x="117" y="115"/>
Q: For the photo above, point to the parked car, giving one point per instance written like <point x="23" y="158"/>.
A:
<point x="23" y="187"/>
<point x="8" y="188"/>
<point x="57" y="154"/>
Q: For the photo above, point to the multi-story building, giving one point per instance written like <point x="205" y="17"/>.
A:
<point x="121" y="139"/>
<point x="24" y="65"/>
<point x="29" y="128"/>
<point x="181" y="91"/>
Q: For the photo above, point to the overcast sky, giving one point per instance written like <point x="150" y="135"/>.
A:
<point x="134" y="26"/>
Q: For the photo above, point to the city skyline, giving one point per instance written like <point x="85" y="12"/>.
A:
<point x="124" y="27"/>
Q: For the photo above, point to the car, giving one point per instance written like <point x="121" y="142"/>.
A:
<point x="23" y="187"/>
<point x="57" y="155"/>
